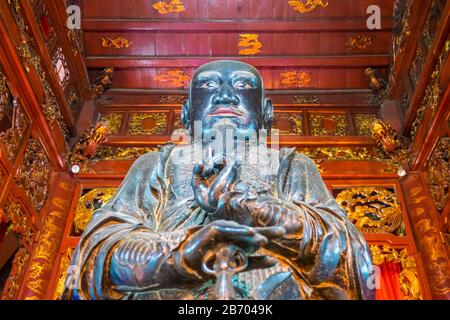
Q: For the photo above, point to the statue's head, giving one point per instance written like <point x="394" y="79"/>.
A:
<point x="227" y="94"/>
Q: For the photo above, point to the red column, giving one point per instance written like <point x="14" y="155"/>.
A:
<point x="39" y="272"/>
<point x="424" y="221"/>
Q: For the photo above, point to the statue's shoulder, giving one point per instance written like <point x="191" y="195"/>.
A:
<point x="147" y="160"/>
<point x="295" y="157"/>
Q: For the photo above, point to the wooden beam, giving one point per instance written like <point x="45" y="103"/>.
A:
<point x="353" y="61"/>
<point x="307" y="25"/>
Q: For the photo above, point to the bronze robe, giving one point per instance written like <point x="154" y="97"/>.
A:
<point x="154" y="210"/>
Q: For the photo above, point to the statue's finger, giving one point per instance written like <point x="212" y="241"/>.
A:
<point x="260" y="262"/>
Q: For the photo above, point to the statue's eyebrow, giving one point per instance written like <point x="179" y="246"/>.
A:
<point x="208" y="75"/>
<point x="243" y="74"/>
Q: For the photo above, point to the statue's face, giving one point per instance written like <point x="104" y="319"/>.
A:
<point x="227" y="94"/>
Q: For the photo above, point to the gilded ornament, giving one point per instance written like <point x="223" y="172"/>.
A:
<point x="34" y="174"/>
<point x="102" y="83"/>
<point x="372" y="210"/>
<point x="296" y="78"/>
<point x="48" y="244"/>
<point x="30" y="57"/>
<point x="122" y="153"/>
<point x="116" y="43"/>
<point x="341" y="153"/>
<point x="363" y="123"/>
<point x="438" y="173"/>
<point x="63" y="266"/>
<point x="408" y="278"/>
<point x="86" y="148"/>
<point x="297" y="124"/>
<point x="158" y="124"/>
<point x="359" y="42"/>
<point x="174" y="78"/>
<point x="12" y="137"/>
<point x="306" y="100"/>
<point x="304" y="6"/>
<point x="317" y="124"/>
<point x="388" y="140"/>
<point x="376" y="82"/>
<point x="88" y="203"/>
<point x="18" y="270"/>
<point x="171" y="6"/>
<point x="433" y="92"/>
<point x="19" y="222"/>
<point x="172" y="99"/>
<point x="113" y="122"/>
<point x="249" y="44"/>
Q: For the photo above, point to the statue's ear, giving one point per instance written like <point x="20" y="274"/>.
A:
<point x="268" y="115"/>
<point x="186" y="115"/>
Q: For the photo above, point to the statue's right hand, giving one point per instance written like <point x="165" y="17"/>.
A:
<point x="227" y="232"/>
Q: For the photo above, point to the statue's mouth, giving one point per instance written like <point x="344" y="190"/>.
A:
<point x="226" y="111"/>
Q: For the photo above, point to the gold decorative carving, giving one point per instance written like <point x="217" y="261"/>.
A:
<point x="306" y="99"/>
<point x="296" y="78"/>
<point x="34" y="174"/>
<point x="102" y="83"/>
<point x="304" y="6"/>
<point x="19" y="222"/>
<point x="11" y="137"/>
<point x="363" y="123"/>
<point x="297" y="124"/>
<point x="88" y="203"/>
<point x="174" y="78"/>
<point x="408" y="278"/>
<point x="249" y="44"/>
<point x="359" y="42"/>
<point x="87" y="147"/>
<point x="113" y="122"/>
<point x="389" y="141"/>
<point x="326" y="125"/>
<point x="63" y="266"/>
<point x="48" y="244"/>
<point x="172" y="6"/>
<point x="31" y="58"/>
<point x="19" y="266"/>
<point x="402" y="30"/>
<point x="372" y="210"/>
<point x="341" y="153"/>
<point x="116" y="43"/>
<point x="119" y="153"/>
<point x="158" y="123"/>
<point x="433" y="92"/>
<point x="172" y="99"/>
<point x="438" y="173"/>
<point x="376" y="83"/>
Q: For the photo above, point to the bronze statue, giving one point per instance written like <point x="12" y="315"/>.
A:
<point x="224" y="228"/>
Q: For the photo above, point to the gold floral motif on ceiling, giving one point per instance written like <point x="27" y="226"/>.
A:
<point x="116" y="43"/>
<point x="296" y="78"/>
<point x="359" y="42"/>
<point x="171" y="6"/>
<point x="148" y="123"/>
<point x="33" y="175"/>
<point x="328" y="124"/>
<point x="408" y="278"/>
<point x="372" y="210"/>
<point x="304" y="6"/>
<point x="249" y="44"/>
<point x="174" y="78"/>
<point x="19" y="267"/>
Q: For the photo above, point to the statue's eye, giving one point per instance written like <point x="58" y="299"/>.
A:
<point x="242" y="85"/>
<point x="211" y="84"/>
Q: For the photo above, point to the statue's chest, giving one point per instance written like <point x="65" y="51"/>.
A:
<point x="251" y="175"/>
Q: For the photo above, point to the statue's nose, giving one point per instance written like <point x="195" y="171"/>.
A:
<point x="226" y="96"/>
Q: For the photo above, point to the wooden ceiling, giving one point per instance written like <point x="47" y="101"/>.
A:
<point x="297" y="51"/>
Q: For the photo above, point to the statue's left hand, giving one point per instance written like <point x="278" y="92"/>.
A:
<point x="213" y="178"/>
